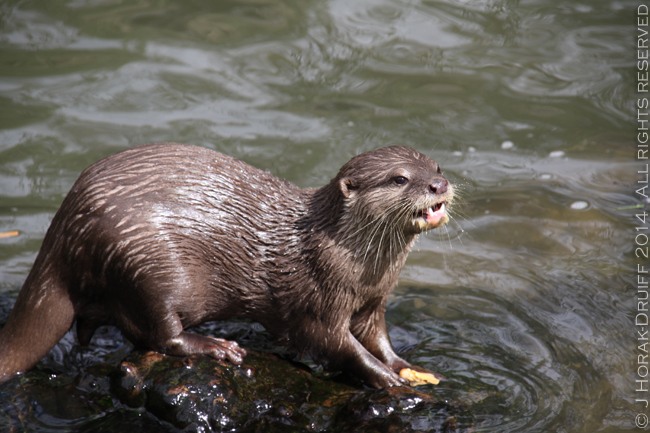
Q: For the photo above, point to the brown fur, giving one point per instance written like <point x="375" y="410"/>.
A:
<point x="159" y="238"/>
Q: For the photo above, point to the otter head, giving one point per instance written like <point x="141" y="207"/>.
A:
<point x="395" y="188"/>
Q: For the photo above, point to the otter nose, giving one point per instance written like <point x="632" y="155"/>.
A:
<point x="439" y="186"/>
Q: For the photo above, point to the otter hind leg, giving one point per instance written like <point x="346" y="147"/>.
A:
<point x="187" y="343"/>
<point x="168" y="336"/>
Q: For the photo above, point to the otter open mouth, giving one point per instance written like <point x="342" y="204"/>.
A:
<point x="433" y="211"/>
<point x="433" y="216"/>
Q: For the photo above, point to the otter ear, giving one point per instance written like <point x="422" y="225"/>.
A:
<point x="347" y="187"/>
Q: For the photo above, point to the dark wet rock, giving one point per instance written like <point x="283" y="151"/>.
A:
<point x="80" y="402"/>
<point x="268" y="394"/>
<point x="201" y="393"/>
<point x="400" y="409"/>
<point x="125" y="421"/>
<point x="156" y="393"/>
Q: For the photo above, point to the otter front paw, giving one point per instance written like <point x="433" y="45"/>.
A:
<point x="386" y="379"/>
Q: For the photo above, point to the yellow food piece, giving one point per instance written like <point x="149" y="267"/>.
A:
<point x="9" y="234"/>
<point x="416" y="378"/>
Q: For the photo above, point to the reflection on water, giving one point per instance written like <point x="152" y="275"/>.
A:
<point x="523" y="300"/>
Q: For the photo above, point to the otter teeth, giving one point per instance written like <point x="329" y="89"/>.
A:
<point x="440" y="207"/>
<point x="437" y="209"/>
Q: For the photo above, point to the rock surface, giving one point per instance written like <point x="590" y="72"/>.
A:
<point x="151" y="392"/>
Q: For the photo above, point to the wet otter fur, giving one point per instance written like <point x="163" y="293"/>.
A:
<point x="159" y="238"/>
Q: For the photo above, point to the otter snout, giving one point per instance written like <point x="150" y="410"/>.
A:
<point x="439" y="186"/>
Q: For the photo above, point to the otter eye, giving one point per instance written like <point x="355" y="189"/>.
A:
<point x="400" y="180"/>
<point x="439" y="170"/>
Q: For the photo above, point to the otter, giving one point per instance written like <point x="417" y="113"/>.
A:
<point x="159" y="238"/>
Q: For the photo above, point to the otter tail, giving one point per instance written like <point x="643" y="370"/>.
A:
<point x="42" y="315"/>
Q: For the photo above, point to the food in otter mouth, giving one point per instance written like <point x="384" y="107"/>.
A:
<point x="159" y="238"/>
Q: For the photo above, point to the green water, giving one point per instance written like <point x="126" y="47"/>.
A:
<point x="528" y="106"/>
